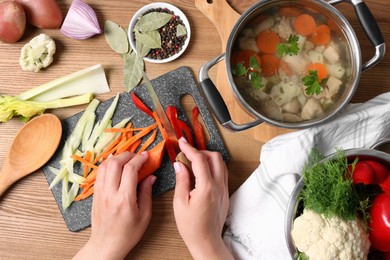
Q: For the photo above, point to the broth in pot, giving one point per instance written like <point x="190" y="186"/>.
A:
<point x="292" y="63"/>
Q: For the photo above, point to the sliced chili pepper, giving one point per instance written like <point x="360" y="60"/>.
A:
<point x="185" y="129"/>
<point x="140" y="105"/>
<point x="198" y="130"/>
<point x="168" y="145"/>
<point x="172" y="116"/>
<point x="179" y="125"/>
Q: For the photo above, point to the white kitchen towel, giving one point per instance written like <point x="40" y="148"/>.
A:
<point x="257" y="211"/>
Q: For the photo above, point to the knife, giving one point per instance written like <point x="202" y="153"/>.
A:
<point x="165" y="122"/>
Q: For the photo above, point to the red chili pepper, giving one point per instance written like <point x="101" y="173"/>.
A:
<point x="179" y="125"/>
<point x="185" y="129"/>
<point x="172" y="116"/>
<point x="140" y="105"/>
<point x="198" y="130"/>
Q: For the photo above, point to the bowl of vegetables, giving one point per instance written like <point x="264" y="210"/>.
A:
<point x="292" y="64"/>
<point x="340" y="208"/>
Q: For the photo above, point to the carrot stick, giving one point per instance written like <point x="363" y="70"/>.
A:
<point x="322" y="72"/>
<point x="108" y="149"/>
<point x="305" y="24"/>
<point x="130" y="134"/>
<point x="321" y="35"/>
<point x="134" y="146"/>
<point x="267" y="41"/>
<point x="148" y="142"/>
<point x="88" y="157"/>
<point x="122" y="130"/>
<point x="91" y="176"/>
<point x="270" y="65"/>
<point x="85" y="194"/>
<point x="123" y="147"/>
<point x="83" y="161"/>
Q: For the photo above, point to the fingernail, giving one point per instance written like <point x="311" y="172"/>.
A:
<point x="177" y="167"/>
<point x="152" y="180"/>
<point x="110" y="155"/>
<point x="144" y="153"/>
<point x="183" y="139"/>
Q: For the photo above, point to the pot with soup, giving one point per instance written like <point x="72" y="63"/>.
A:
<point x="293" y="64"/>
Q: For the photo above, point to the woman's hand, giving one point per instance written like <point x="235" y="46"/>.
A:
<point x="119" y="216"/>
<point x="201" y="212"/>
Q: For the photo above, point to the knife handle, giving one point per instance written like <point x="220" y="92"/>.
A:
<point x="183" y="159"/>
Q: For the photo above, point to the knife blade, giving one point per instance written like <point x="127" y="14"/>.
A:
<point x="161" y="114"/>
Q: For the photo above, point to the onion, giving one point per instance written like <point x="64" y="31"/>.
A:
<point x="80" y="22"/>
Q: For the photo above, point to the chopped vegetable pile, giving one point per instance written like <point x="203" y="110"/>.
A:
<point x="91" y="143"/>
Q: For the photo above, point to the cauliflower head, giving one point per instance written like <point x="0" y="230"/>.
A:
<point x="38" y="53"/>
<point x="323" y="238"/>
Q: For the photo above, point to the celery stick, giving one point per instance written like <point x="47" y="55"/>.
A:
<point x="106" y="138"/>
<point x="88" y="131"/>
<point x="102" y="124"/>
<point x="92" y="79"/>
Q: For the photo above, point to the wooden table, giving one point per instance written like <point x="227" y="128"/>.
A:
<point x="31" y="226"/>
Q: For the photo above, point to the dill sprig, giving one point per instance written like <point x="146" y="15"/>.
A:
<point x="329" y="190"/>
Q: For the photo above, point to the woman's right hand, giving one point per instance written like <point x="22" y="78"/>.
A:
<point x="201" y="212"/>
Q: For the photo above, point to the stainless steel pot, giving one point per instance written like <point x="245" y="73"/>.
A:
<point x="368" y="23"/>
<point x="292" y="206"/>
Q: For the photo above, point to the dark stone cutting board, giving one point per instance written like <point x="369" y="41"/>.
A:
<point x="170" y="88"/>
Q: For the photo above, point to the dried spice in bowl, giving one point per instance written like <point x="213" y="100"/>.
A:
<point x="159" y="32"/>
<point x="173" y="35"/>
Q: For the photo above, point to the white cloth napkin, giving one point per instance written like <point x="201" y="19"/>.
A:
<point x="257" y="211"/>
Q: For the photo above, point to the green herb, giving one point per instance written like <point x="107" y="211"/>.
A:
<point x="253" y="72"/>
<point x="290" y="47"/>
<point x="116" y="37"/>
<point x="149" y="39"/>
<point x="239" y="70"/>
<point x="133" y="68"/>
<point x="152" y="21"/>
<point x="255" y="80"/>
<point x="313" y="86"/>
<point x="329" y="190"/>
<point x="180" y="30"/>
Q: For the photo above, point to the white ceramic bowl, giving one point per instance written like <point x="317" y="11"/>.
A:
<point x="170" y="7"/>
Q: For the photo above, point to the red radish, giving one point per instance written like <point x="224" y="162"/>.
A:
<point x="363" y="173"/>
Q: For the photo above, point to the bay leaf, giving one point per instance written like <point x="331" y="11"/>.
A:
<point x="152" y="21"/>
<point x="150" y="39"/>
<point x="142" y="50"/>
<point x="180" y="30"/>
<point x="116" y="37"/>
<point x="132" y="71"/>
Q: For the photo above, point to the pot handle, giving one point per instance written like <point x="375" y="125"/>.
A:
<point x="215" y="100"/>
<point x="372" y="30"/>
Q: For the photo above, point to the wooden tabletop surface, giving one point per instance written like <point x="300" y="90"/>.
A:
<point x="31" y="225"/>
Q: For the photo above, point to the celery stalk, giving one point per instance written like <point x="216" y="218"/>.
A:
<point x="106" y="138"/>
<point x="92" y="79"/>
<point x="102" y="125"/>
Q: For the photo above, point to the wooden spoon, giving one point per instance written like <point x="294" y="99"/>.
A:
<point x="33" y="145"/>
